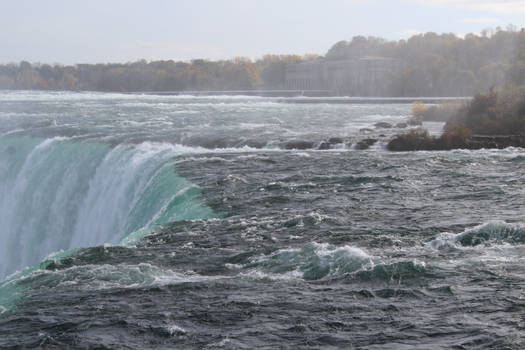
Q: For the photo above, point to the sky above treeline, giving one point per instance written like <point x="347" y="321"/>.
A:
<point x="100" y="31"/>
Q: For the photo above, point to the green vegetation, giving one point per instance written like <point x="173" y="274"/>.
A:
<point x="419" y="139"/>
<point x="237" y="74"/>
<point x="496" y="113"/>
<point x="414" y="139"/>
<point x="440" y="113"/>
<point x="493" y="120"/>
<point x="428" y="65"/>
<point x="456" y="133"/>
<point x="419" y="109"/>
<point x="444" y="65"/>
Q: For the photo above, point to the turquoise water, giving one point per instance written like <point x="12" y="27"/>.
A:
<point x="59" y="194"/>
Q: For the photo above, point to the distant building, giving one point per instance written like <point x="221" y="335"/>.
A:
<point x="308" y="75"/>
<point x="363" y="76"/>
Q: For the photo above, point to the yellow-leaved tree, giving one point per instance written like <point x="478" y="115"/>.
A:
<point x="418" y="109"/>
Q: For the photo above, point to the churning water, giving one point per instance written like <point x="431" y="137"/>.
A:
<point x="130" y="221"/>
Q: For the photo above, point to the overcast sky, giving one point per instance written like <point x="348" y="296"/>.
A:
<point x="67" y="31"/>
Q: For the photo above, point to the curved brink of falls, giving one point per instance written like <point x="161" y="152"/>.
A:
<point x="58" y="194"/>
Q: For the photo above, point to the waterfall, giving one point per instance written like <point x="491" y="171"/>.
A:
<point x="57" y="194"/>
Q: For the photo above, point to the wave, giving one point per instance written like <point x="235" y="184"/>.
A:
<point x="494" y="232"/>
<point x="518" y="159"/>
<point x="323" y="261"/>
<point x="99" y="268"/>
<point x="210" y="142"/>
<point x="72" y="269"/>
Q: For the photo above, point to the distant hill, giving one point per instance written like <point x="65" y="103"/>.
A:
<point x="424" y="65"/>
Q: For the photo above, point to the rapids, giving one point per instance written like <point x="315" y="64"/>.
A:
<point x="161" y="222"/>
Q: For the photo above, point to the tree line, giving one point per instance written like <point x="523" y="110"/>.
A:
<point x="493" y="119"/>
<point x="239" y="73"/>
<point x="429" y="65"/>
<point x="445" y="65"/>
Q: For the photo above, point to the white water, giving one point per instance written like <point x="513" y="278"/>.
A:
<point x="57" y="194"/>
<point x="58" y="191"/>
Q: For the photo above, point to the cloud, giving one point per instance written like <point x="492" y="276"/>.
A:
<point x="493" y="6"/>
<point x="480" y="20"/>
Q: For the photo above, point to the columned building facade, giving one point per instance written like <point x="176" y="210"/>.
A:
<point x="363" y="76"/>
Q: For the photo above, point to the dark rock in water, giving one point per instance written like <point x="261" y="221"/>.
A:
<point x="218" y="142"/>
<point x="365" y="144"/>
<point x="324" y="146"/>
<point x="497" y="141"/>
<point x="366" y="130"/>
<point x="299" y="144"/>
<point x="421" y="141"/>
<point x="401" y="125"/>
<point x="415" y="121"/>
<point x="414" y="141"/>
<point x="335" y="140"/>
<point x="382" y="135"/>
<point x="382" y="125"/>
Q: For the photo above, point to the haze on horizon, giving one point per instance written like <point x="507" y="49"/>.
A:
<point x="66" y="32"/>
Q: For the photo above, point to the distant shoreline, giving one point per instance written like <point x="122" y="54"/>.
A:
<point x="282" y="96"/>
<point x="309" y="96"/>
<point x="256" y="93"/>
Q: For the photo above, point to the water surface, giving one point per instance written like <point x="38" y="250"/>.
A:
<point x="132" y="221"/>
